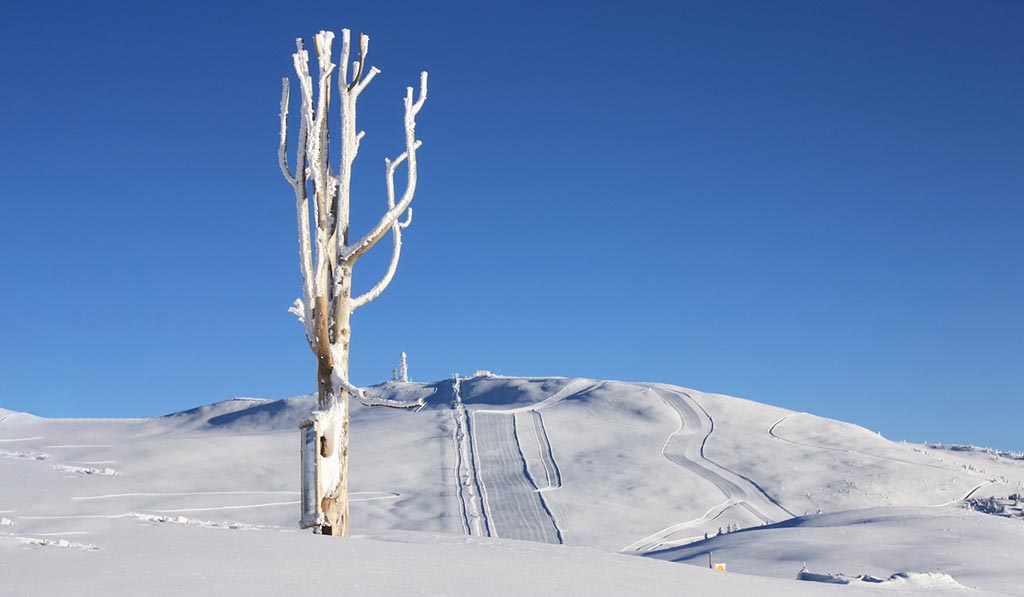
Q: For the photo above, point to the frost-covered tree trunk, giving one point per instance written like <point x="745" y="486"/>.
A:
<point x="326" y="257"/>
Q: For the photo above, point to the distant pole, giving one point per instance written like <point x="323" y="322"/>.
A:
<point x="710" y="563"/>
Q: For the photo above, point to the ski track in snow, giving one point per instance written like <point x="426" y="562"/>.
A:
<point x="544" y="459"/>
<point x="515" y="509"/>
<point x="177" y="493"/>
<point x="685" y="447"/>
<point x="356" y="496"/>
<point x="359" y="496"/>
<point x="370" y="496"/>
<point x="498" y="494"/>
<point x="660" y="539"/>
<point x="241" y="507"/>
<point x="691" y="456"/>
<point x="966" y="497"/>
<point x="971" y="492"/>
<point x="469" y="492"/>
<point x="943" y="467"/>
<point x="20" y="439"/>
<point x="437" y="391"/>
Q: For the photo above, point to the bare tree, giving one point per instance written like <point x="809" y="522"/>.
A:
<point x="326" y="256"/>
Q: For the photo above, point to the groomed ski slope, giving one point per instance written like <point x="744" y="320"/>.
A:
<point x="633" y="467"/>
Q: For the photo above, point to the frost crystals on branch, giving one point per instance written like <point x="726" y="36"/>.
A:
<point x="326" y="257"/>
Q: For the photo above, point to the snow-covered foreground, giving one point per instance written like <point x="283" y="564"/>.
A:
<point x="949" y="545"/>
<point x="207" y="499"/>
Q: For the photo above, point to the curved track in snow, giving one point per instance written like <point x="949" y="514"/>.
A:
<point x="541" y="465"/>
<point x="685" y="447"/>
<point x="663" y="538"/>
<point x="772" y="432"/>
<point x="688" y="452"/>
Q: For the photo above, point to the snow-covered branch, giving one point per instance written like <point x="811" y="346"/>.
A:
<point x="282" y="148"/>
<point x="301" y="310"/>
<point x="325" y="303"/>
<point x="298" y="179"/>
<point x="341" y="381"/>
<point x="390" y="403"/>
<point x="374" y="71"/>
<point x="356" y="250"/>
<point x="319" y="151"/>
<point x="396" y="235"/>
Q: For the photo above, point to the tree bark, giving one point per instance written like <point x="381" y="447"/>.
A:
<point x="332" y="357"/>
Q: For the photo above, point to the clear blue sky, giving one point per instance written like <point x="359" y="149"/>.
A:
<point x="811" y="204"/>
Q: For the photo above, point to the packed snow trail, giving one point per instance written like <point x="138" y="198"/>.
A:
<point x="504" y="461"/>
<point x="663" y="538"/>
<point x="515" y="509"/>
<point x="773" y="432"/>
<point x="966" y="497"/>
<point x="540" y="460"/>
<point x="179" y="493"/>
<point x="468" y="491"/>
<point x="685" y="447"/>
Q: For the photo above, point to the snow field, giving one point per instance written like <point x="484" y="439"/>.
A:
<point x="605" y="465"/>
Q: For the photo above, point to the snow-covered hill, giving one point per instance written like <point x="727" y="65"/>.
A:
<point x="643" y="469"/>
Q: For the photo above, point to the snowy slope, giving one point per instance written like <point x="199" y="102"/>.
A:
<point x="977" y="550"/>
<point x="631" y="467"/>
